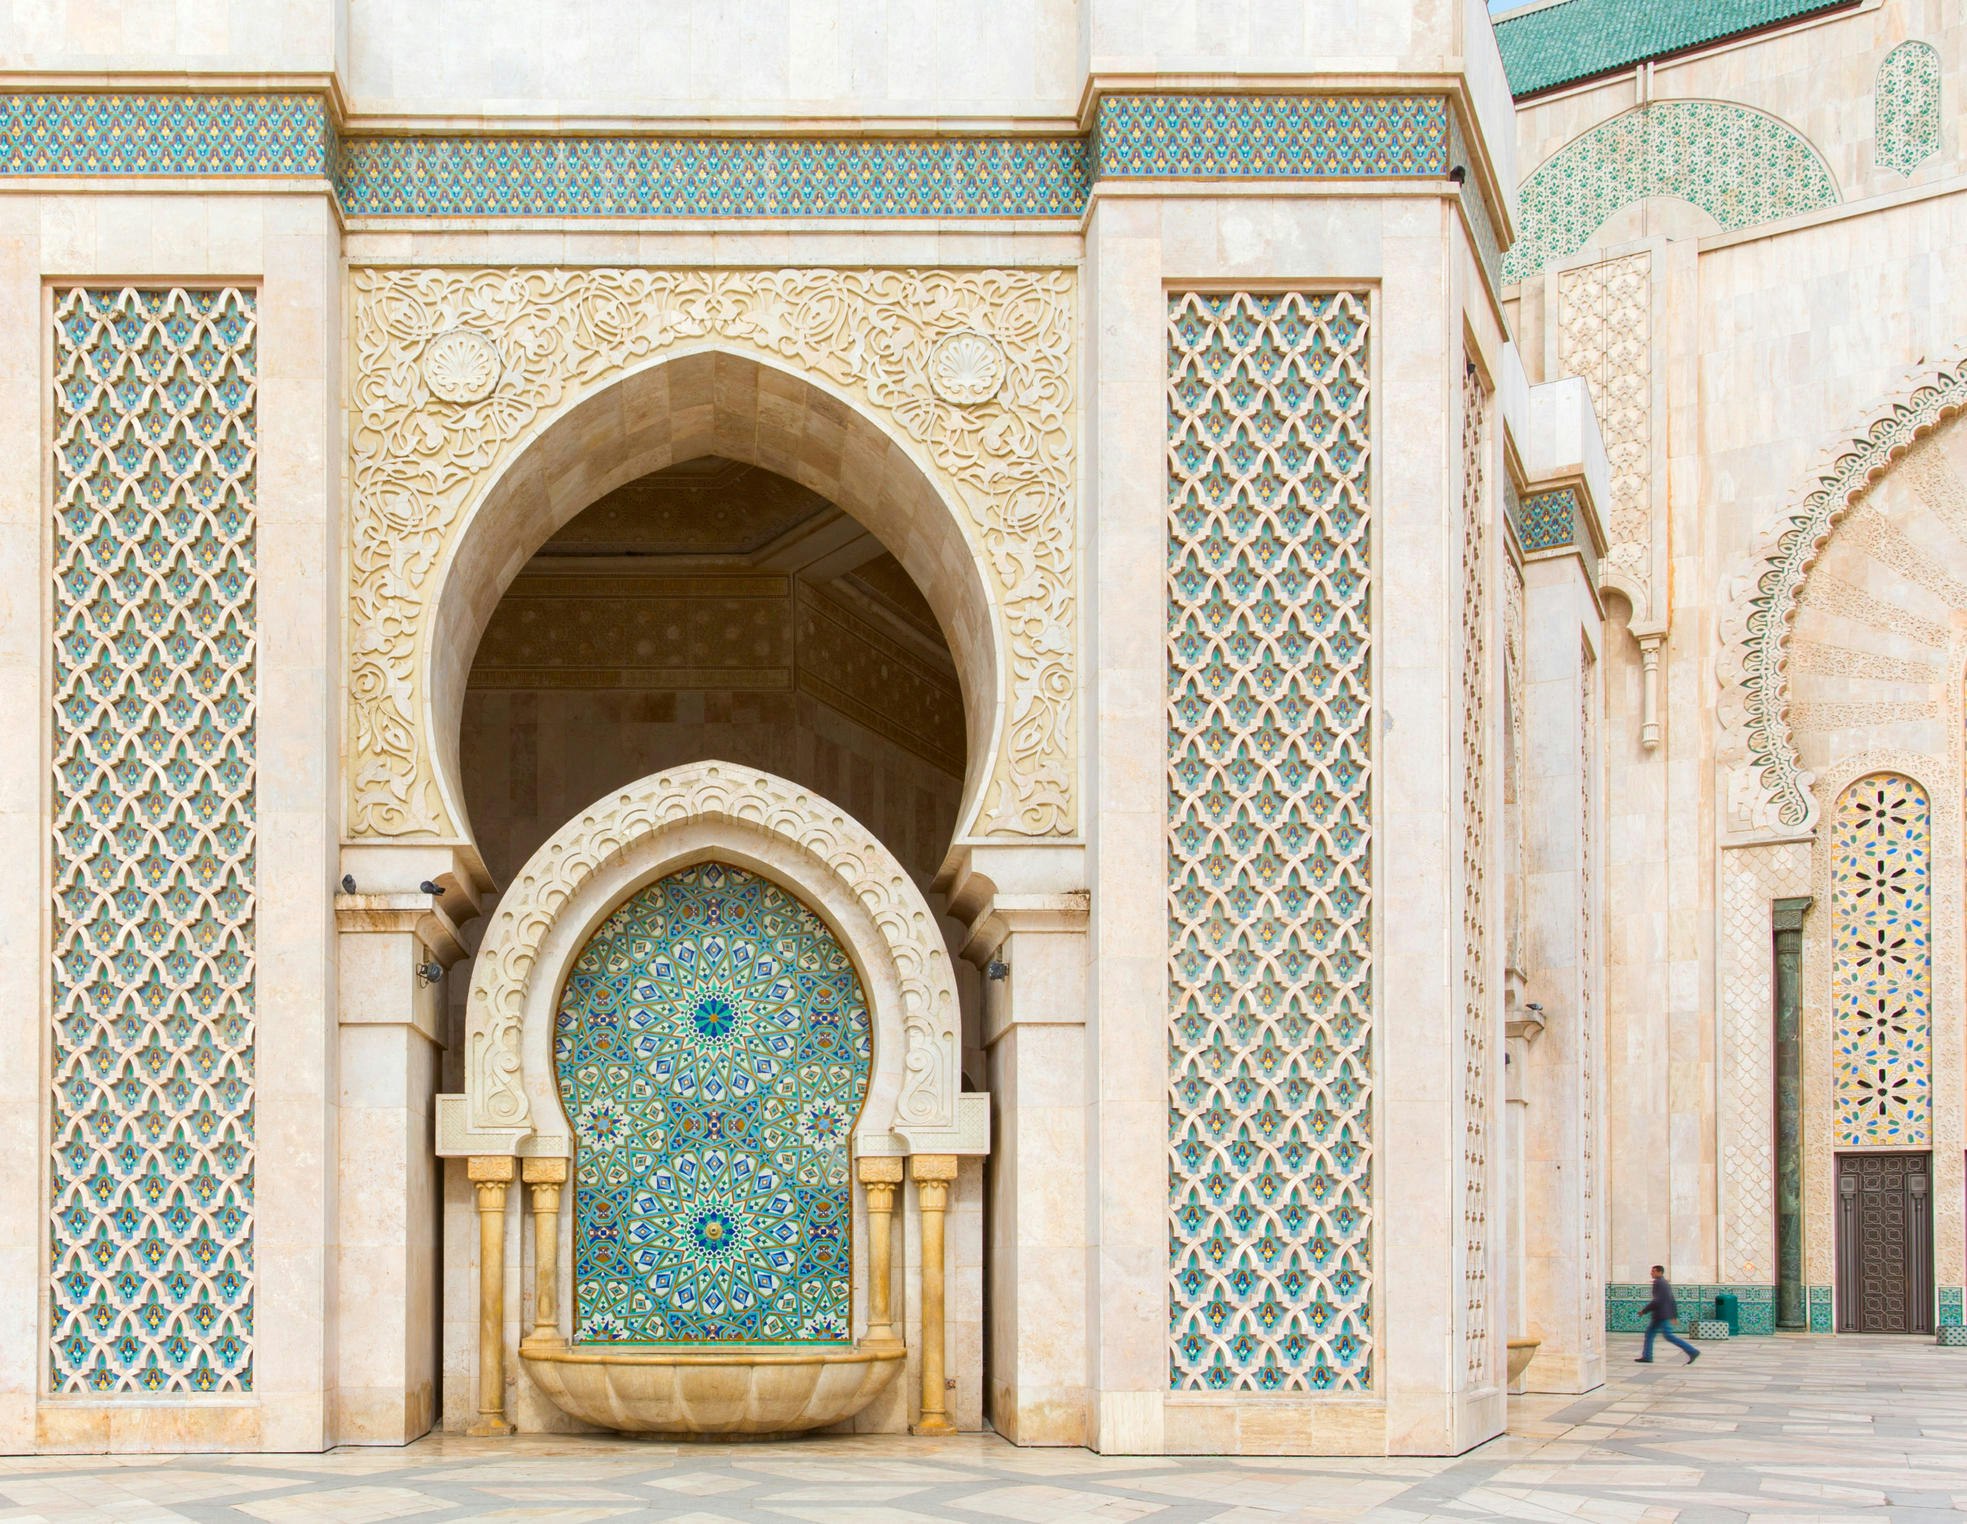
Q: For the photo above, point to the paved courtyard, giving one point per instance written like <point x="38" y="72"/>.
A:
<point x="1761" y="1431"/>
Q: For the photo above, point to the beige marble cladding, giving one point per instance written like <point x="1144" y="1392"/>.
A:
<point x="287" y="248"/>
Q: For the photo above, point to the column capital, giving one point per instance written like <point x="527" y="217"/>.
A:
<point x="931" y="1167"/>
<point x="879" y="1170"/>
<point x="489" y="1169"/>
<point x="550" y="1171"/>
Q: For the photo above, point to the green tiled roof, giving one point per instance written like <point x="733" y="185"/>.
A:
<point x="1575" y="39"/>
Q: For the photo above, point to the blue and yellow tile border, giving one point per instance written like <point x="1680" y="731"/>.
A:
<point x="1131" y="136"/>
<point x="1554" y="518"/>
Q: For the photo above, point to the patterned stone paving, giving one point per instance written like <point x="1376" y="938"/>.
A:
<point x="1765" y="1431"/>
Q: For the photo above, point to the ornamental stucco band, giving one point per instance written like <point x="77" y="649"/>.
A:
<point x="456" y="372"/>
<point x="1773" y="792"/>
<point x="496" y="1102"/>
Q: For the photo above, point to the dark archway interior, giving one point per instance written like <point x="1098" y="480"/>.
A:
<point x="713" y="609"/>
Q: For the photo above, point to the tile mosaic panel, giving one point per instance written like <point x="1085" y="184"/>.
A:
<point x="1244" y="136"/>
<point x="1906" y="98"/>
<point x="713" y="1046"/>
<point x="162" y="134"/>
<point x="1740" y="166"/>
<point x="560" y="175"/>
<point x="1952" y="1312"/>
<point x="1269" y="837"/>
<point x="155" y="619"/>
<point x="1625" y="1305"/>
<point x="1882" y="964"/>
<point x="1821" y="1315"/>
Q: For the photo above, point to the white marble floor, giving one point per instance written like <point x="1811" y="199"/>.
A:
<point x="1761" y="1431"/>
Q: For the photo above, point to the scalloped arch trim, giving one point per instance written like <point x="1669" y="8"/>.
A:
<point x="1755" y="636"/>
<point x="1739" y="165"/>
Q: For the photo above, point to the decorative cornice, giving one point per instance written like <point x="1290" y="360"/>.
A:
<point x="1132" y="136"/>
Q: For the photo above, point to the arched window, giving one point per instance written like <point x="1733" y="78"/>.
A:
<point x="713" y="1045"/>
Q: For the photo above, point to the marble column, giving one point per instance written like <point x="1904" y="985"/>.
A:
<point x="933" y="1175"/>
<point x="490" y="1175"/>
<point x="880" y="1178"/>
<point x="545" y="1178"/>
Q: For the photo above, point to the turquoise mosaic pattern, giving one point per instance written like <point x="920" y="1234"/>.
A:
<point x="1549" y="519"/>
<point x="1739" y="166"/>
<point x="1269" y="842"/>
<point x="1822" y="1318"/>
<point x="1952" y="1314"/>
<point x="1244" y="136"/>
<point x="155" y="622"/>
<point x="1906" y="98"/>
<point x="714" y="177"/>
<point x="159" y="134"/>
<point x="549" y="175"/>
<point x="1625" y="1305"/>
<point x="1882" y="964"/>
<point x="713" y="1047"/>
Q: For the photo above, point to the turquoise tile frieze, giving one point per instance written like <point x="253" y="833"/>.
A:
<point x="1269" y="844"/>
<point x="1263" y="136"/>
<point x="164" y="134"/>
<point x="155" y="623"/>
<point x="713" y="177"/>
<point x="1952" y="1313"/>
<point x="713" y="1047"/>
<point x="1625" y="1305"/>
<point x="808" y="176"/>
<point x="1549" y="520"/>
<point x="1740" y="166"/>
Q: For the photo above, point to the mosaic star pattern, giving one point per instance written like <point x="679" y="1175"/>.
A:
<point x="713" y="1046"/>
<point x="1882" y="964"/>
<point x="1269" y="884"/>
<point x="155" y="648"/>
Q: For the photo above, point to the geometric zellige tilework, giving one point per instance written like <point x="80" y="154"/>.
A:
<point x="1882" y="963"/>
<point x="155" y="643"/>
<point x="713" y="1047"/>
<point x="1269" y="890"/>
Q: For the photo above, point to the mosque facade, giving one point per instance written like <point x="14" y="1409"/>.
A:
<point x="1164" y="728"/>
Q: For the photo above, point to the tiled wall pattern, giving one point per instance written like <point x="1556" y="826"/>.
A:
<point x="1740" y="166"/>
<point x="434" y="174"/>
<point x="1477" y="975"/>
<point x="1625" y="1305"/>
<point x="1554" y="520"/>
<point x="1906" y="97"/>
<point x="154" y="666"/>
<point x="713" y="1047"/>
<point x="1882" y="964"/>
<point x="1269" y="868"/>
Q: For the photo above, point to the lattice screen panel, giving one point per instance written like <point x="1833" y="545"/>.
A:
<point x="155" y="648"/>
<point x="1269" y="881"/>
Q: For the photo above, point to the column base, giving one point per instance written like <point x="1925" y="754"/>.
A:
<point x="932" y="1427"/>
<point x="490" y="1428"/>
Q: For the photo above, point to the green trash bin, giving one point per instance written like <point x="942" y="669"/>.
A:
<point x="1728" y="1308"/>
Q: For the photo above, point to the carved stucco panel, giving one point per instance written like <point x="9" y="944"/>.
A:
<point x="1605" y="335"/>
<point x="455" y="372"/>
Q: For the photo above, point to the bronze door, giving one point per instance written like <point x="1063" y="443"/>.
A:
<point x="1884" y="1243"/>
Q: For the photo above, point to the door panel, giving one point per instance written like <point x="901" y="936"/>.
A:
<point x="1884" y="1243"/>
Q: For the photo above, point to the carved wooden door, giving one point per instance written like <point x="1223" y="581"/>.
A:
<point x="1884" y="1243"/>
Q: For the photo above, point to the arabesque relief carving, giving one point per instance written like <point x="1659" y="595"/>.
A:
<point x="971" y="366"/>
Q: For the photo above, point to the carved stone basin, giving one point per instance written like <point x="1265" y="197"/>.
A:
<point x="742" y="1389"/>
<point x="1521" y="1353"/>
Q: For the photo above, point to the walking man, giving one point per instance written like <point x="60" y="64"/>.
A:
<point x="1660" y="1313"/>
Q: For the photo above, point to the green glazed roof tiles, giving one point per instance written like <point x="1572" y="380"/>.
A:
<point x="1576" y="39"/>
